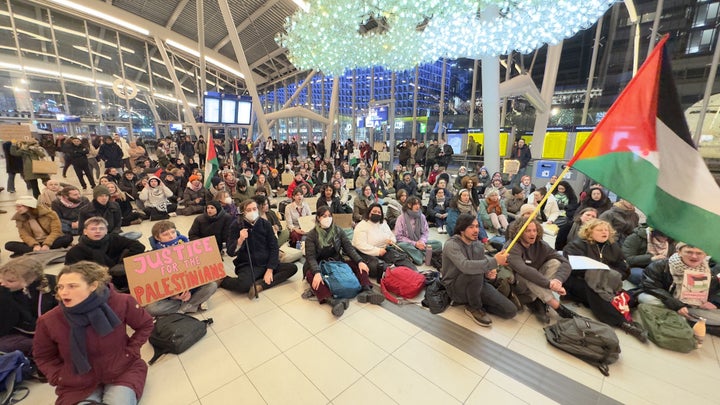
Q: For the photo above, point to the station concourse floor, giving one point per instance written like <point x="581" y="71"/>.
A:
<point x="282" y="349"/>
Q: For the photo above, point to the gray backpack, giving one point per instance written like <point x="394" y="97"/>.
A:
<point x="589" y="340"/>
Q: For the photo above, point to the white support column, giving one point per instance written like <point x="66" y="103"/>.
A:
<point x="244" y="67"/>
<point x="179" y="94"/>
<point x="552" y="63"/>
<point x="415" y="94"/>
<point x="508" y="68"/>
<point x="591" y="76"/>
<point x="334" y="101"/>
<point x="292" y="98"/>
<point x="656" y="25"/>
<point x="472" y="94"/>
<point x="441" y="133"/>
<point x="708" y="92"/>
<point x="491" y="111"/>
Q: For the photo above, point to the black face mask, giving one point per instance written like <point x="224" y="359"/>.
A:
<point x="375" y="218"/>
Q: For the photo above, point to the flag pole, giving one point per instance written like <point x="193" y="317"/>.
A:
<point x="537" y="208"/>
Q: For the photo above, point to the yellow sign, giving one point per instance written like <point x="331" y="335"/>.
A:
<point x="580" y="139"/>
<point x="554" y="146"/>
<point x="479" y="138"/>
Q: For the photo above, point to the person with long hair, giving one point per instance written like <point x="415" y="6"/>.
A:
<point x="327" y="242"/>
<point x="129" y="217"/>
<point x="462" y="203"/>
<point x="493" y="212"/>
<point x="26" y="292"/>
<point x="82" y="346"/>
<point x="583" y="216"/>
<point x="329" y="198"/>
<point x="374" y="241"/>
<point x="39" y="228"/>
<point x="412" y="232"/>
<point x="596" y="198"/>
<point x="467" y="273"/>
<point x="598" y="288"/>
<point x="362" y="202"/>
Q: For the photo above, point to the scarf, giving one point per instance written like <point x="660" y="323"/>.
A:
<point x="677" y="271"/>
<point x="68" y="203"/>
<point x="95" y="312"/>
<point x="493" y="207"/>
<point x="178" y="240"/>
<point x="231" y="184"/>
<point x="656" y="247"/>
<point x="192" y="187"/>
<point x="326" y="237"/>
<point x="414" y="225"/>
<point x="467" y="208"/>
<point x="526" y="189"/>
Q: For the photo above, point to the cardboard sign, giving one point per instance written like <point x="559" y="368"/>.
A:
<point x="287" y="178"/>
<point x="8" y="132"/>
<point x="163" y="273"/>
<point x="379" y="146"/>
<point x="384" y="156"/>
<point x="307" y="223"/>
<point x="511" y="166"/>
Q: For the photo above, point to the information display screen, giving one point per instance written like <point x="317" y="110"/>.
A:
<point x="211" y="110"/>
<point x="228" y="111"/>
<point x="244" y="112"/>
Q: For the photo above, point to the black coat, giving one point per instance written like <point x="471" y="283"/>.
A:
<point x="111" y="212"/>
<point x="13" y="164"/>
<point x="657" y="281"/>
<point x="19" y="312"/>
<point x="112" y="154"/>
<point x="109" y="251"/>
<point x="261" y="241"/>
<point x="217" y="226"/>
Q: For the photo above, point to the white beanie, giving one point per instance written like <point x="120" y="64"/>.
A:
<point x="27" y="201"/>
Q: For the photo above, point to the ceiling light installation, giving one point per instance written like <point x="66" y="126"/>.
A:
<point x="336" y="35"/>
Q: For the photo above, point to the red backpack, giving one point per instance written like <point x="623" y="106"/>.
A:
<point x="402" y="281"/>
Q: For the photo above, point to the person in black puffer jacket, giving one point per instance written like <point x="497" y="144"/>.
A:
<point x="101" y="206"/>
<point x="214" y="222"/>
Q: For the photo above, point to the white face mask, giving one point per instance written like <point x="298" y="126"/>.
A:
<point x="252" y="216"/>
<point x="228" y="200"/>
<point x="325" y="222"/>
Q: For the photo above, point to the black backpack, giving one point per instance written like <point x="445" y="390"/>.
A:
<point x="175" y="333"/>
<point x="589" y="340"/>
<point x="436" y="298"/>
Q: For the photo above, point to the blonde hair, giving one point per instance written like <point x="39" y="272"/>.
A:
<point x="28" y="269"/>
<point x="585" y="232"/>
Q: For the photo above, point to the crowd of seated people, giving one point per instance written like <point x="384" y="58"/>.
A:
<point x="257" y="213"/>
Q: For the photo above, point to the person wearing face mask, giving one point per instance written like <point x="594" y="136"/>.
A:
<point x="227" y="203"/>
<point x="253" y="242"/>
<point x="373" y="240"/>
<point x="412" y="232"/>
<point x="82" y="345"/>
<point x="67" y="206"/>
<point x="213" y="222"/>
<point x="327" y="242"/>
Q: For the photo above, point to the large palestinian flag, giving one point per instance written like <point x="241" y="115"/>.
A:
<point x="212" y="164"/>
<point x="642" y="150"/>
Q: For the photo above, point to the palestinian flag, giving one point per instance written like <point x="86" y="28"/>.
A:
<point x="211" y="165"/>
<point x="642" y="150"/>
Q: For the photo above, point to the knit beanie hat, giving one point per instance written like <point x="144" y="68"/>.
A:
<point x="194" y="177"/>
<point x="100" y="190"/>
<point x="217" y="205"/>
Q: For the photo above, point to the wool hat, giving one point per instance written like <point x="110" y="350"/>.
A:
<point x="194" y="177"/>
<point x="100" y="190"/>
<point x="27" y="201"/>
<point x="526" y="209"/>
<point x="217" y="205"/>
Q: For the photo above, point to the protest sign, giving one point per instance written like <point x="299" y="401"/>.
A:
<point x="163" y="273"/>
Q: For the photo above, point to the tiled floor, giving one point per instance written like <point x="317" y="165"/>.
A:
<point x="281" y="349"/>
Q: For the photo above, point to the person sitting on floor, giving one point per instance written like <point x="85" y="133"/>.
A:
<point x="82" y="345"/>
<point x="362" y="202"/>
<point x="669" y="281"/>
<point x="67" y="206"/>
<point x="493" y="213"/>
<point x="165" y="234"/>
<point x="195" y="197"/>
<point x="26" y="292"/>
<point x="39" y="228"/>
<point x="328" y="242"/>
<point x="156" y="199"/>
<point x="623" y="218"/>
<point x="466" y="273"/>
<point x="213" y="222"/>
<point x="598" y="288"/>
<point x="539" y="271"/>
<point x="644" y="246"/>
<point x="412" y="232"/>
<point x="253" y="242"/>
<point x="463" y="203"/>
<point x="293" y="211"/>
<point x="374" y="241"/>
<point x="438" y="206"/>
<point x="98" y="245"/>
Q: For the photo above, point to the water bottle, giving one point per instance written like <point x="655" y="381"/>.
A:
<point x="298" y="245"/>
<point x="699" y="331"/>
<point x="428" y="255"/>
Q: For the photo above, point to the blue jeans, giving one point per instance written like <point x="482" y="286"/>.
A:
<point x="114" y="395"/>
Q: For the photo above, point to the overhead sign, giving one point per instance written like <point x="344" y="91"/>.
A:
<point x="164" y="273"/>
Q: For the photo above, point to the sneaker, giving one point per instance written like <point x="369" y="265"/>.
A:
<point x="172" y="214"/>
<point x="252" y="293"/>
<point x="3" y="212"/>
<point x="307" y="294"/>
<point x="370" y="296"/>
<point x="204" y="306"/>
<point x="479" y="316"/>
